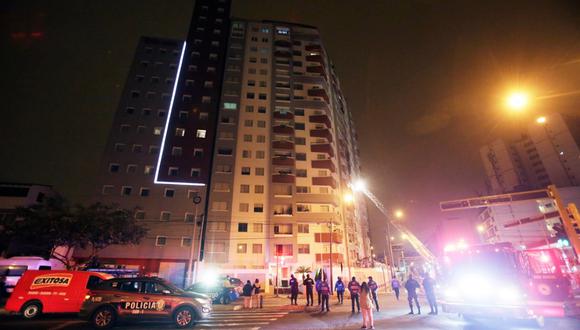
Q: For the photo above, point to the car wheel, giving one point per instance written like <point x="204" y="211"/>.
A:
<point x="32" y="310"/>
<point x="104" y="318"/>
<point x="184" y="317"/>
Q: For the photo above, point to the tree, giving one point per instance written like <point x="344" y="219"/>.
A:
<point x="53" y="228"/>
<point x="303" y="270"/>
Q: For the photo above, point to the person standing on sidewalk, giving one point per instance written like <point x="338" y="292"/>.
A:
<point x="366" y="305"/>
<point x="309" y="284"/>
<point x="396" y="286"/>
<point x="247" y="292"/>
<point x="412" y="285"/>
<point x="318" y="281"/>
<point x="325" y="294"/>
<point x="354" y="289"/>
<point x="429" y="286"/>
<point x="257" y="297"/>
<point x="339" y="288"/>
<point x="374" y="287"/>
<point x="293" y="290"/>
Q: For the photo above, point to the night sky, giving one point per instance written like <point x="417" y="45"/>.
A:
<point x="424" y="80"/>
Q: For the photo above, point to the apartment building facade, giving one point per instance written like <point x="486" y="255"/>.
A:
<point x="236" y="146"/>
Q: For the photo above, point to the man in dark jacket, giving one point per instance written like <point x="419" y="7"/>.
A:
<point x="309" y="284"/>
<point x="339" y="288"/>
<point x="412" y="285"/>
<point x="354" y="289"/>
<point x="429" y="286"/>
<point x="247" y="291"/>
<point x="293" y="290"/>
<point x="374" y="287"/>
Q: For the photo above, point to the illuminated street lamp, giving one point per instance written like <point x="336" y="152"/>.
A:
<point x="404" y="236"/>
<point x="348" y="198"/>
<point x="517" y="101"/>
<point x="480" y="228"/>
<point x="541" y="120"/>
<point x="359" y="185"/>
<point x="392" y="238"/>
<point x="399" y="214"/>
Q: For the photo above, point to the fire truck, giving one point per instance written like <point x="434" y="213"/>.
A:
<point x="500" y="280"/>
<point x="497" y="280"/>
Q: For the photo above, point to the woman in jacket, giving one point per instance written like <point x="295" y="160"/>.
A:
<point x="366" y="306"/>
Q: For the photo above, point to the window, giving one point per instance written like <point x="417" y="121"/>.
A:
<point x="114" y="168"/>
<point x="250" y="95"/>
<point x="301" y="173"/>
<point x="245" y="188"/>
<point x="225" y="151"/>
<point x="141" y="129"/>
<point x="140" y="215"/>
<point x="173" y="171"/>
<point x="249" y="108"/>
<point x="107" y="189"/>
<point x="137" y="148"/>
<point x="125" y="128"/>
<point x="303" y="249"/>
<point x="161" y="241"/>
<point x="200" y="133"/>
<point x="197" y="153"/>
<point x="261" y="109"/>
<point x="244" y="207"/>
<point x="192" y="194"/>
<point x="242" y="227"/>
<point x="283" y="229"/>
<point x="161" y="113"/>
<point x="186" y="241"/>
<point x="230" y="106"/>
<point x="126" y="190"/>
<point x="149" y="170"/>
<point x="299" y="126"/>
<point x="303" y="228"/>
<point x="208" y="84"/>
<point x="219" y="206"/>
<point x="165" y="216"/>
<point x="130" y="110"/>
<point x="195" y="172"/>
<point x="251" y="83"/>
<point x="188" y="217"/>
<point x="300" y="156"/>
<point x="284" y="250"/>
<point x="180" y="132"/>
<point x="261" y="123"/>
<point x="135" y="94"/>
<point x="119" y="147"/>
<point x="206" y="99"/>
<point x="259" y="171"/>
<point x="300" y="141"/>
<point x="157" y="130"/>
<point x="262" y="96"/>
<point x="224" y="168"/>
<point x="169" y="193"/>
<point x="247" y="137"/>
<point x="176" y="151"/>
<point x="258" y="208"/>
<point x="131" y="168"/>
<point x="154" y="150"/>
<point x="245" y="171"/>
<point x="203" y="116"/>
<point x="256" y="248"/>
<point x="242" y="248"/>
<point x="221" y="187"/>
<point x="246" y="154"/>
<point x="144" y="192"/>
<point x="260" y="154"/>
<point x="258" y="228"/>
<point x="302" y="190"/>
<point x="259" y="189"/>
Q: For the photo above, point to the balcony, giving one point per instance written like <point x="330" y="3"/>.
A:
<point x="321" y="119"/>
<point x="323" y="147"/>
<point x="324" y="181"/>
<point x="283" y="129"/>
<point x="283" y="178"/>
<point x="315" y="58"/>
<point x="283" y="144"/>
<point x="316" y="69"/>
<point x="283" y="161"/>
<point x="325" y="163"/>
<point x="283" y="115"/>
<point x="325" y="258"/>
<point x="313" y="48"/>
<point x="283" y="53"/>
<point x="282" y="43"/>
<point x="318" y="92"/>
<point x="322" y="133"/>
<point x="325" y="238"/>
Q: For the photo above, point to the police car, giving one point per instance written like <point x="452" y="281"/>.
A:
<point x="143" y="298"/>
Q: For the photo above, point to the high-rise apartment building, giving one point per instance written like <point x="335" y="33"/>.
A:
<point x="548" y="153"/>
<point x="248" y="116"/>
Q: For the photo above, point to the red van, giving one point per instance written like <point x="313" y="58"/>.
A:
<point x="52" y="291"/>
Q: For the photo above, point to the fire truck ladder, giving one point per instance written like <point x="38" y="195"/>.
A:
<point x="569" y="215"/>
<point x="413" y="240"/>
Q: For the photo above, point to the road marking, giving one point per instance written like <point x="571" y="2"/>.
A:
<point x="240" y="319"/>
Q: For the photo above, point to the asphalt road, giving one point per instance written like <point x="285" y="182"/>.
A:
<point x="277" y="314"/>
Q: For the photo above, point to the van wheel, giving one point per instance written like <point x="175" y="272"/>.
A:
<point x="32" y="310"/>
<point x="104" y="318"/>
<point x="184" y="317"/>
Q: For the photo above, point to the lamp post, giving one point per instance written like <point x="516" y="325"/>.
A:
<point x="190" y="273"/>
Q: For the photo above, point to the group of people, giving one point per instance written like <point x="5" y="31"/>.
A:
<point x="411" y="286"/>
<point x="252" y="294"/>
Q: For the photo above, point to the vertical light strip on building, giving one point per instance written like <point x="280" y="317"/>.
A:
<point x="167" y="126"/>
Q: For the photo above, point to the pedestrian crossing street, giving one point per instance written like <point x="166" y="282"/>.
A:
<point x="241" y="319"/>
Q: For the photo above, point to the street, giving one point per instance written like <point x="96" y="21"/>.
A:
<point x="277" y="314"/>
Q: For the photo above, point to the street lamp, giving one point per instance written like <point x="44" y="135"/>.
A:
<point x="541" y="120"/>
<point x="404" y="236"/>
<point x="480" y="228"/>
<point x="517" y="101"/>
<point x="348" y="198"/>
<point x="399" y="214"/>
<point x="359" y="185"/>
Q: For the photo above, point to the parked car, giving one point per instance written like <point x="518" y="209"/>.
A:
<point x="51" y="291"/>
<point x="13" y="268"/>
<point x="143" y="298"/>
<point x="214" y="290"/>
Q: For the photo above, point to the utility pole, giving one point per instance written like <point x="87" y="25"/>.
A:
<point x="330" y="236"/>
<point x="190" y="271"/>
<point x="390" y="247"/>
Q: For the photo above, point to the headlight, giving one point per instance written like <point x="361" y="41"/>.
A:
<point x="87" y="297"/>
<point x="510" y="294"/>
